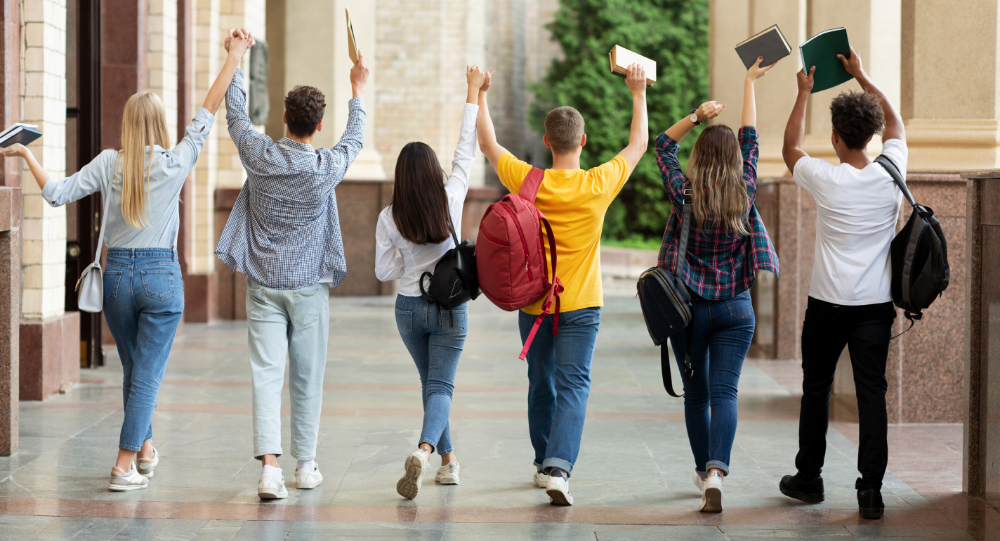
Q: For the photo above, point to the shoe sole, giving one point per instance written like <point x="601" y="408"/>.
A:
<point x="713" y="501"/>
<point x="447" y="480"/>
<point x="409" y="486"/>
<point x="802" y="496"/>
<point x="871" y="514"/>
<point x="125" y="488"/>
<point x="308" y="485"/>
<point x="557" y="497"/>
<point x="272" y="495"/>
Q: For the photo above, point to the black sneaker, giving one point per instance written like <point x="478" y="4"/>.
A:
<point x="870" y="504"/>
<point x="794" y="486"/>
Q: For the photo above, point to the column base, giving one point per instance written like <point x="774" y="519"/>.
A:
<point x="49" y="356"/>
<point x="200" y="296"/>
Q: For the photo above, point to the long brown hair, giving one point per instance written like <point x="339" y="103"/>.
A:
<point x="144" y="124"/>
<point x="419" y="202"/>
<point x="718" y="191"/>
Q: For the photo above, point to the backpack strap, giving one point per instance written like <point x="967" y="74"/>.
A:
<point x="897" y="177"/>
<point x="554" y="290"/>
<point x="532" y="181"/>
<point x="915" y="233"/>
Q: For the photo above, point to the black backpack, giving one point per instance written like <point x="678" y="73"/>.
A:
<point x="454" y="280"/>
<point x="919" y="255"/>
<point x="666" y="304"/>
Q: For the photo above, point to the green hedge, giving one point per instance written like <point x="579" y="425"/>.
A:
<point x="672" y="32"/>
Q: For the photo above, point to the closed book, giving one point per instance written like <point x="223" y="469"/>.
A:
<point x="620" y="58"/>
<point x="769" y="43"/>
<point x="352" y="43"/>
<point x="24" y="134"/>
<point x="821" y="51"/>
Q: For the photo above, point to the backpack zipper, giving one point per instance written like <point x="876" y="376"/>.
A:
<point x="520" y="233"/>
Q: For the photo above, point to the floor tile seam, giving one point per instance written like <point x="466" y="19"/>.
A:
<point x="68" y="438"/>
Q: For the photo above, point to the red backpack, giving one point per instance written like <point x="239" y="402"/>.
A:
<point x="510" y="255"/>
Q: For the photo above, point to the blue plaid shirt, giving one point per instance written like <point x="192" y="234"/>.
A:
<point x="284" y="231"/>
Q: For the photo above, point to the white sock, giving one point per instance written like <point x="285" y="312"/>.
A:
<point x="273" y="471"/>
<point x="305" y="464"/>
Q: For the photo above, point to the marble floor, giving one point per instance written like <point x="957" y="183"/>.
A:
<point x="632" y="479"/>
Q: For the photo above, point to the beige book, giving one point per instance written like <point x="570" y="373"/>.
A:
<point x="620" y="59"/>
<point x="352" y="44"/>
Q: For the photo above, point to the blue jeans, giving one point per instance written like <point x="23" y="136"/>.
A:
<point x="559" y="384"/>
<point x="292" y="324"/>
<point x="722" y="334"/>
<point x="143" y="303"/>
<point x="435" y="342"/>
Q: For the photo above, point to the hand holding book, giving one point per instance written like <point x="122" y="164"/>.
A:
<point x="756" y="71"/>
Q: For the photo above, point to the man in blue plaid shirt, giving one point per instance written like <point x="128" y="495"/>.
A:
<point x="284" y="234"/>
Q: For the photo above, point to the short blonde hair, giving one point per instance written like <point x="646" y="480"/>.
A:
<point x="563" y="129"/>
<point x="144" y="124"/>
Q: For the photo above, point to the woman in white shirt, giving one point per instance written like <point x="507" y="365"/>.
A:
<point x="418" y="225"/>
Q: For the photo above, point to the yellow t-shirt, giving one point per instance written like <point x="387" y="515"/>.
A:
<point x="575" y="202"/>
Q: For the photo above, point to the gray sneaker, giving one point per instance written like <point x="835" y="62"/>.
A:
<point x="146" y="465"/>
<point x="123" y="481"/>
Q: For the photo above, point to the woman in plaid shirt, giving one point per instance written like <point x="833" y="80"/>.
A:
<point x="727" y="245"/>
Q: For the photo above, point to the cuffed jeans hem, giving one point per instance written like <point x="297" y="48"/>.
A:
<point x="434" y="448"/>
<point x="716" y="464"/>
<point x="260" y="454"/>
<point x="860" y="484"/>
<point x="129" y="447"/>
<point x="558" y="463"/>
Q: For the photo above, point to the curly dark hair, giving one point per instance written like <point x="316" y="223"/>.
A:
<point x="857" y="116"/>
<point x="304" y="108"/>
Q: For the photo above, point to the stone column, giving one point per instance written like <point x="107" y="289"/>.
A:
<point x="951" y="84"/>
<point x="10" y="229"/>
<point x="208" y="37"/>
<point x="49" y="351"/>
<point x="161" y="56"/>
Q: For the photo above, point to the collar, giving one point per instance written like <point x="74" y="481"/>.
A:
<point x="296" y="146"/>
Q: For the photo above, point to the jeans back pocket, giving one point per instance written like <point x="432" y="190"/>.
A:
<point x="111" y="281"/>
<point x="739" y="306"/>
<point x="158" y="284"/>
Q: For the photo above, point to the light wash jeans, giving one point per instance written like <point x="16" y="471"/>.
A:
<point x="722" y="334"/>
<point x="559" y="384"/>
<point x="435" y="345"/>
<point x="143" y="303"/>
<point x="293" y="323"/>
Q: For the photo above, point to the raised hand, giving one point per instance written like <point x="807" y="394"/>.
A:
<point x="239" y="42"/>
<point x="475" y="76"/>
<point x="359" y="75"/>
<point x="852" y="64"/>
<point x="487" y="80"/>
<point x="709" y="110"/>
<point x="756" y="72"/>
<point x="806" y="81"/>
<point x="635" y="78"/>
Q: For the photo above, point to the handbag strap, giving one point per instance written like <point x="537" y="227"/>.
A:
<point x="104" y="221"/>
<point x="686" y="211"/>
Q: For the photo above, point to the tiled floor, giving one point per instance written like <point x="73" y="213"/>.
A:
<point x="632" y="480"/>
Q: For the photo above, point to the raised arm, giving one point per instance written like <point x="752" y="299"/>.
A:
<point x="638" y="137"/>
<point x="749" y="101"/>
<point x="795" y="130"/>
<point x="707" y="111"/>
<point x="893" y="122"/>
<point x="238" y="42"/>
<point x="465" y="152"/>
<point x="484" y="127"/>
<point x="17" y="149"/>
<point x="342" y="154"/>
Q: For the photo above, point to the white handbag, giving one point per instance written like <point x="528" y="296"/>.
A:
<point x="90" y="286"/>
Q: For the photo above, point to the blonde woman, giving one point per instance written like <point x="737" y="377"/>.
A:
<point x="143" y="290"/>
<point x="727" y="244"/>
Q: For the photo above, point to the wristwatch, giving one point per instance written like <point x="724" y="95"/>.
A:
<point x="694" y="117"/>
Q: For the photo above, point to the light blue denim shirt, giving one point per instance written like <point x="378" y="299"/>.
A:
<point x="166" y="178"/>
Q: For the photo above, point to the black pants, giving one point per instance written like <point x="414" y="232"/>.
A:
<point x="866" y="331"/>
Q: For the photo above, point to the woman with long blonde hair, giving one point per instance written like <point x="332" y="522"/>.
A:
<point x="726" y="245"/>
<point x="143" y="288"/>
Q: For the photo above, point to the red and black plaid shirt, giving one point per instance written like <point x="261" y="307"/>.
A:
<point x="720" y="263"/>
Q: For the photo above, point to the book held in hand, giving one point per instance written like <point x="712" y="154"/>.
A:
<point x="19" y="133"/>
<point x="821" y="51"/>
<point x="621" y="58"/>
<point x="352" y="43"/>
<point x="769" y="43"/>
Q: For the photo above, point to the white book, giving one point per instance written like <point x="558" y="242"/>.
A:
<point x="620" y="59"/>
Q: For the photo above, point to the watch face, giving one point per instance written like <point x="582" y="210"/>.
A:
<point x="694" y="118"/>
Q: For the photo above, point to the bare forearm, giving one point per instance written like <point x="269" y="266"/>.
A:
<point x="680" y="129"/>
<point x="218" y="90"/>
<point x="893" y="121"/>
<point x="41" y="177"/>
<point x="472" y="97"/>
<point x="484" y="123"/>
<point x="639" y="134"/>
<point x="749" y="105"/>
<point x="795" y="131"/>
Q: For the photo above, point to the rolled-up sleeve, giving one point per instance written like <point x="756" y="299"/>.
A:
<point x="388" y="266"/>
<point x="92" y="178"/>
<point x="190" y="146"/>
<point x="674" y="180"/>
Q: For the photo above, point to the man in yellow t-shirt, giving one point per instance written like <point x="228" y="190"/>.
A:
<point x="575" y="201"/>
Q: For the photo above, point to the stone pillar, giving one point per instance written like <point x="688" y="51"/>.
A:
<point x="49" y="349"/>
<point x="161" y="56"/>
<point x="951" y="84"/>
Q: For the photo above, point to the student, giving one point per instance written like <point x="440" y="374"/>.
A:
<point x="727" y="244"/>
<point x="284" y="235"/>
<point x="575" y="201"/>
<point x="419" y="224"/>
<point x="143" y="290"/>
<point x="857" y="205"/>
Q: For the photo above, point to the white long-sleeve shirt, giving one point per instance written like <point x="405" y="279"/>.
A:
<point x="413" y="260"/>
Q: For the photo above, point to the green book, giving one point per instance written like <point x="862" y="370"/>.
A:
<point x="821" y="51"/>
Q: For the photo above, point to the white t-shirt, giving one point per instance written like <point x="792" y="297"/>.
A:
<point x="414" y="259"/>
<point x="856" y="213"/>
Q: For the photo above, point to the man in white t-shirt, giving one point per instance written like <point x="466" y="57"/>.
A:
<point x="857" y="206"/>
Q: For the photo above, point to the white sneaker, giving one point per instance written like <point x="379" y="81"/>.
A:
<point x="271" y="487"/>
<point x="308" y="478"/>
<point x="409" y="485"/>
<point x="699" y="482"/>
<point x="558" y="491"/>
<point x="711" y="494"/>
<point x="146" y="465"/>
<point x="447" y="474"/>
<point x="541" y="480"/>
<point x="122" y="481"/>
